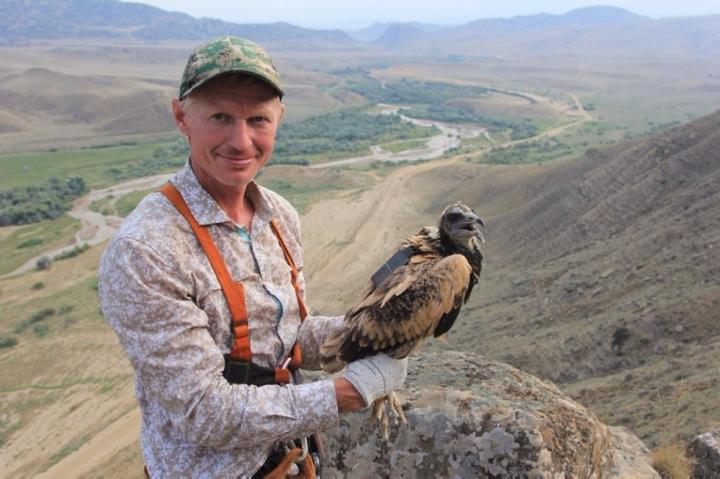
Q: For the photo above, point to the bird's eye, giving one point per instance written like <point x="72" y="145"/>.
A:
<point x="452" y="217"/>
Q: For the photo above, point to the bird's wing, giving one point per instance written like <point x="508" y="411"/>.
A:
<point x="406" y="308"/>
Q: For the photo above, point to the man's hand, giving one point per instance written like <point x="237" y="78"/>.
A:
<point x="368" y="379"/>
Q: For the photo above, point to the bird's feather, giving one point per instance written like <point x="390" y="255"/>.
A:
<point x="412" y="301"/>
<point x="407" y="307"/>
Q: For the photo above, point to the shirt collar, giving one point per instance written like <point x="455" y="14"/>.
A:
<point x="204" y="207"/>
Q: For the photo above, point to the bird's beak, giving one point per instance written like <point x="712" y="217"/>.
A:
<point x="480" y="224"/>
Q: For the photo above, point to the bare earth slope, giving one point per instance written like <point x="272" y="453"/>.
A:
<point x="79" y="106"/>
<point x="603" y="275"/>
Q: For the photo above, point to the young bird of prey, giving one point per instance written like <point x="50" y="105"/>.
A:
<point x="418" y="292"/>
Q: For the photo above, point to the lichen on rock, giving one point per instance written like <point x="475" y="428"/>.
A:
<point x="470" y="417"/>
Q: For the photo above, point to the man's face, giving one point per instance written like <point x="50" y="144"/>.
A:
<point x="231" y="133"/>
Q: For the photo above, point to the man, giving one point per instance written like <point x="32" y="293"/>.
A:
<point x="205" y="322"/>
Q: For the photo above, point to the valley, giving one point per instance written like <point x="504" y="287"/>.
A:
<point x="597" y="178"/>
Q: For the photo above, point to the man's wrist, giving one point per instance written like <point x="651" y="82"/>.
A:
<point x="347" y="396"/>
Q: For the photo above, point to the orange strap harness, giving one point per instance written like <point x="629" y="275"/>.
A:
<point x="234" y="292"/>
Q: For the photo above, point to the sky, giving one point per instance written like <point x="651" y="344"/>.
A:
<point x="358" y="14"/>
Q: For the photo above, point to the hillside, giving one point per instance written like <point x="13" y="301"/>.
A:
<point x="53" y="19"/>
<point x="603" y="275"/>
<point x="81" y="107"/>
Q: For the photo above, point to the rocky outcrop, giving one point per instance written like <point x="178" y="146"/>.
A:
<point x="705" y="451"/>
<point x="484" y="419"/>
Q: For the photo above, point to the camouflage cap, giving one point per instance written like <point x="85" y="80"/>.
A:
<point x="228" y="55"/>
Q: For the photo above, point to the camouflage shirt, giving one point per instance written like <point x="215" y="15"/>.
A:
<point x="160" y="295"/>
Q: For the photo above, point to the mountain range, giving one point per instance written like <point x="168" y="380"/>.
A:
<point x="607" y="31"/>
<point x="602" y="30"/>
<point x="56" y="19"/>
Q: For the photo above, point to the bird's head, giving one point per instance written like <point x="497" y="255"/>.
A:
<point x="460" y="227"/>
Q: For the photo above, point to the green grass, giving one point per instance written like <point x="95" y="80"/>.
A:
<point x="480" y="141"/>
<point x="32" y="240"/>
<point x="128" y="202"/>
<point x="25" y="169"/>
<point x="330" y="155"/>
<point x="6" y="430"/>
<point x="637" y="113"/>
<point x="301" y="196"/>
<point x="537" y="151"/>
<point x="122" y="206"/>
<point x="56" y="305"/>
<point x="398" y="146"/>
<point x="102" y="205"/>
<point x="67" y="449"/>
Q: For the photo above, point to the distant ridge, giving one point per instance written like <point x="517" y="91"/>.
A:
<point x="376" y="30"/>
<point x="606" y="31"/>
<point x="656" y="184"/>
<point x="54" y="19"/>
<point x="400" y="35"/>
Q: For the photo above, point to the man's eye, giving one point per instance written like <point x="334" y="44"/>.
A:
<point x="258" y="119"/>
<point x="220" y="117"/>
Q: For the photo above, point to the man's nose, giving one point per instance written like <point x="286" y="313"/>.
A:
<point x="240" y="135"/>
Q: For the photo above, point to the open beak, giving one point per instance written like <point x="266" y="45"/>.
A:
<point x="479" y="223"/>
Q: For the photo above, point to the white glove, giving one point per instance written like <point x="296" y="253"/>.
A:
<point x="376" y="376"/>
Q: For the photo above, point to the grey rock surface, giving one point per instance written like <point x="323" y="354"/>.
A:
<point x="705" y="450"/>
<point x="470" y="417"/>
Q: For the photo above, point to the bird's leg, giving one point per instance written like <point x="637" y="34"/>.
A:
<point x="396" y="407"/>
<point x="380" y="417"/>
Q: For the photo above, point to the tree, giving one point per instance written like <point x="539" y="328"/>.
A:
<point x="43" y="263"/>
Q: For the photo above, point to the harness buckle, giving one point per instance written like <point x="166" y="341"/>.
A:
<point x="304" y="453"/>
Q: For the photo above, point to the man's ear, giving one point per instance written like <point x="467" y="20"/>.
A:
<point x="282" y="112"/>
<point x="180" y="117"/>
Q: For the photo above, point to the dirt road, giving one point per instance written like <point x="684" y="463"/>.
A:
<point x="95" y="228"/>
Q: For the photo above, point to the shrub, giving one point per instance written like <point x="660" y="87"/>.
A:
<point x="36" y="317"/>
<point x="72" y="252"/>
<point x="38" y="202"/>
<point x="40" y="330"/>
<point x="7" y="341"/>
<point x="30" y="242"/>
<point x="38" y="285"/>
<point x="40" y="315"/>
<point x="672" y="462"/>
<point x="43" y="263"/>
<point x="65" y="308"/>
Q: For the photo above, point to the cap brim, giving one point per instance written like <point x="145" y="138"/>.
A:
<point x="204" y="81"/>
